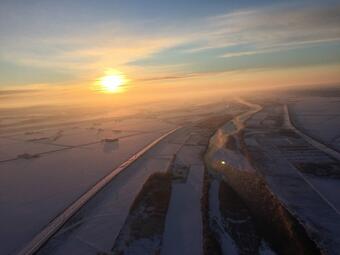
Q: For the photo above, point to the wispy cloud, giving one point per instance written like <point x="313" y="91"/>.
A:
<point x="177" y="49"/>
<point x="255" y="38"/>
<point x="277" y="26"/>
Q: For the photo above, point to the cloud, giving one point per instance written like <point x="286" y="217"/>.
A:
<point x="276" y="26"/>
<point x="85" y="49"/>
<point x="270" y="37"/>
<point x="9" y="92"/>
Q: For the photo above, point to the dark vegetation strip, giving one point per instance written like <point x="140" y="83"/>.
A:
<point x="147" y="216"/>
<point x="238" y="221"/>
<point x="278" y="227"/>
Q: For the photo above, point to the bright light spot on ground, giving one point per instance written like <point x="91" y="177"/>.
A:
<point x="223" y="162"/>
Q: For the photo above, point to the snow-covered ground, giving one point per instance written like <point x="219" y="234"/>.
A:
<point x="47" y="163"/>
<point x="96" y="226"/>
<point x="183" y="227"/>
<point x="306" y="196"/>
<point x="44" y="170"/>
<point x="303" y="177"/>
<point x="64" y="165"/>
<point x="319" y="117"/>
<point x="299" y="173"/>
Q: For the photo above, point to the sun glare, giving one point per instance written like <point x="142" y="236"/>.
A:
<point x="112" y="82"/>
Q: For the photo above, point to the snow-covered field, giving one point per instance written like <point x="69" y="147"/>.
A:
<point x="183" y="227"/>
<point x="44" y="168"/>
<point x="319" y="117"/>
<point x="100" y="221"/>
<point x="34" y="190"/>
<point x="303" y="176"/>
<point x="46" y="164"/>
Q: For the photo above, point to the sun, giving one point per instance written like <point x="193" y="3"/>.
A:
<point x="112" y="82"/>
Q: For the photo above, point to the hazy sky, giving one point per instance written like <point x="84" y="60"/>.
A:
<point x="65" y="42"/>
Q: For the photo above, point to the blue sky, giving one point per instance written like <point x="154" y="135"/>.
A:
<point x="60" y="41"/>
